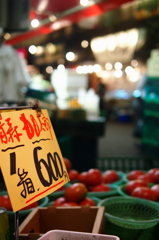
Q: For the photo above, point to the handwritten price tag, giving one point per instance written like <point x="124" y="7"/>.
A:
<point x="30" y="158"/>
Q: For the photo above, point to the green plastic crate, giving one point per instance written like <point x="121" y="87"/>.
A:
<point x="65" y="144"/>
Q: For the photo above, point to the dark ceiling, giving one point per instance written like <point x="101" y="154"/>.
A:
<point x="67" y="13"/>
<point x="84" y="23"/>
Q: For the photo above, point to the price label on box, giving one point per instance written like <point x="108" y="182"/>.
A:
<point x="30" y="158"/>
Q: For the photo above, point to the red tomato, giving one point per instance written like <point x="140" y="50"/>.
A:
<point x="75" y="192"/>
<point x="144" y="192"/>
<point x="130" y="186"/>
<point x="155" y="177"/>
<point x="69" y="204"/>
<point x="151" y="173"/>
<point x="67" y="163"/>
<point x="73" y="175"/>
<point x="155" y="189"/>
<point x="100" y="188"/>
<point x="60" y="189"/>
<point x="87" y="202"/>
<point x="82" y="177"/>
<point x="32" y="205"/>
<point x="110" y="176"/>
<point x="134" y="174"/>
<point x="5" y="202"/>
<point x="146" y="178"/>
<point x="59" y="201"/>
<point x="94" y="177"/>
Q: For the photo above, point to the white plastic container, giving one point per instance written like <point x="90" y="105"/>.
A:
<point x="69" y="235"/>
<point x="68" y="82"/>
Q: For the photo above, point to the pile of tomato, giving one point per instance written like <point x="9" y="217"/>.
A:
<point x="82" y="183"/>
<point x="93" y="179"/>
<point x="74" y="195"/>
<point x="143" y="184"/>
<point x="139" y="183"/>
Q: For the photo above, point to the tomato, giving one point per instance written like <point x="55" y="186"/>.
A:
<point x="67" y="163"/>
<point x="134" y="174"/>
<point x="75" y="192"/>
<point x="151" y="173"/>
<point x="144" y="192"/>
<point x="110" y="176"/>
<point x="5" y="202"/>
<point x="59" y="201"/>
<point x="60" y="189"/>
<point x="73" y="175"/>
<point x="155" y="177"/>
<point x="130" y="186"/>
<point x="32" y="205"/>
<point x="100" y="188"/>
<point x="155" y="189"/>
<point x="82" y="177"/>
<point x="69" y="204"/>
<point x="87" y="202"/>
<point x="145" y="177"/>
<point x="94" y="177"/>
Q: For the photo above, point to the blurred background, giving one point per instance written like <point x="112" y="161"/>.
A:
<point x="93" y="65"/>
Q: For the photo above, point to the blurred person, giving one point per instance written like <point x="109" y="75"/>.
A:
<point x="101" y="91"/>
<point x="138" y="107"/>
<point x="14" y="77"/>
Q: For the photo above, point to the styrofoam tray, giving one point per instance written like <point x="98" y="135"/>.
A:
<point x="69" y="235"/>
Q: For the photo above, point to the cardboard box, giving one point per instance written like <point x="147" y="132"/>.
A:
<point x="79" y="219"/>
<point x="58" y="235"/>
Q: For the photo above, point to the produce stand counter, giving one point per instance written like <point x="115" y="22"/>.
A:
<point x="83" y="135"/>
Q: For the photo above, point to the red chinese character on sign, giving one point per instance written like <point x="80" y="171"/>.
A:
<point x="12" y="131"/>
<point x="3" y="135"/>
<point x="11" y="134"/>
<point x="27" y="126"/>
<point x="35" y="125"/>
<point x="45" y="125"/>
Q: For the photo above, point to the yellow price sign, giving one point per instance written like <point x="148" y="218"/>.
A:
<point x="30" y="158"/>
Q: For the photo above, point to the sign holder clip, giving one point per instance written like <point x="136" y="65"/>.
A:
<point x="34" y="106"/>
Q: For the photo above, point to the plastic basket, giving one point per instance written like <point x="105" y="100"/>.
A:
<point x="131" y="234"/>
<point x="121" y="190"/>
<point x="151" y="121"/>
<point x="68" y="235"/>
<point x="152" y="81"/>
<point x="65" y="144"/>
<point x="126" y="164"/>
<point x="131" y="212"/>
<point x="150" y="132"/>
<point x="41" y="95"/>
<point x="23" y="213"/>
<point x="125" y="177"/>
